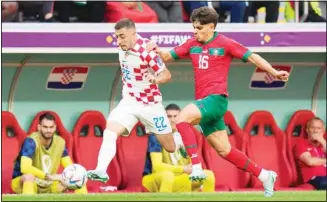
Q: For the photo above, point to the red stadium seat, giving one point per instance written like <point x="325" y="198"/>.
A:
<point x="131" y="156"/>
<point x="267" y="147"/>
<point x="87" y="136"/>
<point x="61" y="130"/>
<point x="225" y="172"/>
<point x="12" y="137"/>
<point x="295" y="130"/>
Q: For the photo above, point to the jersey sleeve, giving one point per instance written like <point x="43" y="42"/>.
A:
<point x="28" y="148"/>
<point x="153" y="144"/>
<point x="181" y="51"/>
<point x="154" y="61"/>
<point x="237" y="50"/>
<point x="64" y="153"/>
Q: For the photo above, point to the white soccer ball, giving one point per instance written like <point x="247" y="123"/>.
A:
<point x="74" y="176"/>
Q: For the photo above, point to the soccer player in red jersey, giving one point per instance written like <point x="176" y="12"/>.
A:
<point x="211" y="54"/>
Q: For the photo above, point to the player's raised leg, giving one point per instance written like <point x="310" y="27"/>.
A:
<point x="191" y="115"/>
<point x="220" y="142"/>
<point x="155" y="120"/>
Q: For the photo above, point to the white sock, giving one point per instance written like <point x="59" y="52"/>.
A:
<point x="178" y="140"/>
<point x="264" y="175"/>
<point x="107" y="150"/>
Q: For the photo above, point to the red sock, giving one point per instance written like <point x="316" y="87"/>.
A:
<point x="241" y="161"/>
<point x="188" y="137"/>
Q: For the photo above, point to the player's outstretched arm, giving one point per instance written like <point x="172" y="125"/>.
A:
<point x="181" y="51"/>
<point x="264" y="65"/>
<point x="166" y="56"/>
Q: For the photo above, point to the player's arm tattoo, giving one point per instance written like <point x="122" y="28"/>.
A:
<point x="163" y="77"/>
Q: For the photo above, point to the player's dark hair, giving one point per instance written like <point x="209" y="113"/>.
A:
<point x="314" y="119"/>
<point x="173" y="107"/>
<point x="124" y="23"/>
<point x="47" y="116"/>
<point x="205" y="15"/>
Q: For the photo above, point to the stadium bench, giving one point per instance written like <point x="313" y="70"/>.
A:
<point x="12" y="137"/>
<point x="87" y="136"/>
<point x="267" y="147"/>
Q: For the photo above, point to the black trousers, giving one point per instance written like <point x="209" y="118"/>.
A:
<point x="272" y="9"/>
<point x="319" y="182"/>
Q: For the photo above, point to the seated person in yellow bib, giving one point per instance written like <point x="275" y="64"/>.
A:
<point x="169" y="172"/>
<point x="38" y="161"/>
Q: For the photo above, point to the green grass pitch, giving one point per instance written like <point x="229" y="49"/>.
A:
<point x="217" y="196"/>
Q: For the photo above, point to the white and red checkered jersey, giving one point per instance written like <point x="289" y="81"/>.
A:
<point x="135" y="64"/>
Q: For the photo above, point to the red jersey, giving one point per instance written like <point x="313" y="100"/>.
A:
<point x="308" y="172"/>
<point x="211" y="62"/>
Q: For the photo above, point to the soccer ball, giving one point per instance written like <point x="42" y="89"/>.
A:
<point x="74" y="176"/>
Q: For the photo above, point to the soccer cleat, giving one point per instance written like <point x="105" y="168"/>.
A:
<point x="197" y="175"/>
<point x="269" y="184"/>
<point x="96" y="175"/>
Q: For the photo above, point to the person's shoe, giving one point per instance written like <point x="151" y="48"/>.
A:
<point x="96" y="175"/>
<point x="269" y="184"/>
<point x="197" y="175"/>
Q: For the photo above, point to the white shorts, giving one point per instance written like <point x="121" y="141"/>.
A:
<point x="153" y="117"/>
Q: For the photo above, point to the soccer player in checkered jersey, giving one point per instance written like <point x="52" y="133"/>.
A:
<point x="211" y="54"/>
<point x="142" y="71"/>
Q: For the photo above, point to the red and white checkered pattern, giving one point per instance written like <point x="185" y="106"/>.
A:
<point x="135" y="64"/>
<point x="67" y="76"/>
<point x="269" y="78"/>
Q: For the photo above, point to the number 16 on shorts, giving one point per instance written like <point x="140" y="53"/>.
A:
<point x="160" y="123"/>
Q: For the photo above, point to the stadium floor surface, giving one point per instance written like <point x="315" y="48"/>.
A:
<point x="217" y="196"/>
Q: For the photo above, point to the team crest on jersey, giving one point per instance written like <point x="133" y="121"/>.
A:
<point x="46" y="163"/>
<point x="215" y="52"/>
<point x="126" y="54"/>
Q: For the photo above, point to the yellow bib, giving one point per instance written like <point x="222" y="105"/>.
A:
<point x="48" y="160"/>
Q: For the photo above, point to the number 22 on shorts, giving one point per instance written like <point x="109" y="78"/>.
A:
<point x="159" y="123"/>
<point x="203" y="62"/>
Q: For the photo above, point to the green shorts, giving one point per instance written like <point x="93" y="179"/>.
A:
<point x="213" y="109"/>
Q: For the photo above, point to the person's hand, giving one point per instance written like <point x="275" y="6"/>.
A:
<point x="151" y="78"/>
<point x="151" y="45"/>
<point x="319" y="137"/>
<point x="53" y="177"/>
<point x="282" y="75"/>
<point x="187" y="169"/>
